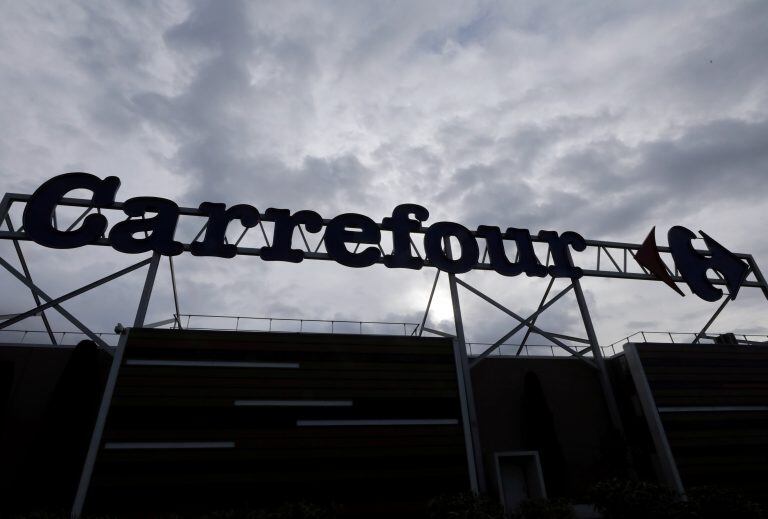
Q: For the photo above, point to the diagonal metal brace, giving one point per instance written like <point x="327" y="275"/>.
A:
<point x="70" y="295"/>
<point x="523" y="323"/>
<point x="429" y="303"/>
<point x="71" y="318"/>
<point x="541" y="303"/>
<point x="28" y="275"/>
<point x="711" y="320"/>
<point x="439" y="333"/>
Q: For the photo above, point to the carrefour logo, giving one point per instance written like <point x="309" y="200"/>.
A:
<point x="354" y="240"/>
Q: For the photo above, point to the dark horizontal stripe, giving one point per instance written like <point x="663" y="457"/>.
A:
<point x="680" y="361"/>
<point x="722" y="385"/>
<point x="299" y="343"/>
<point x="167" y="445"/>
<point x="747" y="475"/>
<point x="712" y="400"/>
<point x="207" y="363"/>
<point x="704" y="395"/>
<point x="193" y="413"/>
<point x="677" y="348"/>
<point x="249" y="419"/>
<point x="713" y="409"/>
<point x="717" y="465"/>
<point x="710" y="420"/>
<point x="124" y="466"/>
<point x="711" y="377"/>
<point x="688" y="364"/>
<point x="378" y="439"/>
<point x="292" y="403"/>
<point x="284" y="355"/>
<point x="200" y="377"/>
<point x="273" y="393"/>
<point x="307" y="368"/>
<point x="292" y="434"/>
<point x="255" y="382"/>
<point x="261" y="386"/>
<point x="717" y="436"/>
<point x="339" y="487"/>
<point x="710" y="434"/>
<point x="375" y="422"/>
<point x="689" y="445"/>
<point x="125" y="455"/>
<point x="206" y="337"/>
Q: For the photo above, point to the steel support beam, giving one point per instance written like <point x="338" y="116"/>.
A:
<point x="666" y="461"/>
<point x="149" y="282"/>
<point x="23" y="262"/>
<point x="711" y="320"/>
<point x="429" y="303"/>
<point x="98" y="430"/>
<point x="462" y="349"/>
<point x="175" y="293"/>
<point x="597" y="354"/>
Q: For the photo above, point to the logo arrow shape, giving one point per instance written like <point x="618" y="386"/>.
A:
<point x="648" y="256"/>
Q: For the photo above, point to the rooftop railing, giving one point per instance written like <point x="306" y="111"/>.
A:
<point x="300" y="325"/>
<point x="291" y="324"/>
<point x="680" y="338"/>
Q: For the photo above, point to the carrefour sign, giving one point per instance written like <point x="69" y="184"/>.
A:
<point x="350" y="239"/>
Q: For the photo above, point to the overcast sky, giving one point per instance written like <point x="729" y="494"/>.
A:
<point x="601" y="117"/>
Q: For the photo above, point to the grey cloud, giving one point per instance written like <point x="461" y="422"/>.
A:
<point x="726" y="63"/>
<point x="608" y="187"/>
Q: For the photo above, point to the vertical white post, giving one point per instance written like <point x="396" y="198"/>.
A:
<point x="605" y="381"/>
<point x="467" y="380"/>
<point x="98" y="429"/>
<point x="667" y="464"/>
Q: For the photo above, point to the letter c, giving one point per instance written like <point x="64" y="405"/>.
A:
<point x="39" y="210"/>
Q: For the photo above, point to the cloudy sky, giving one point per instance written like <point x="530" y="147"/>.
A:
<point x="600" y="117"/>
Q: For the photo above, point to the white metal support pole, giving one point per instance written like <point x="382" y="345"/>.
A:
<point x="98" y="430"/>
<point x="605" y="381"/>
<point x="469" y="443"/>
<point x="667" y="465"/>
<point x="175" y="292"/>
<point x="467" y="378"/>
<point x="141" y="312"/>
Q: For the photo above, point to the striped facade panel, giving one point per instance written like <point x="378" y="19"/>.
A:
<point x="713" y="404"/>
<point x="218" y="419"/>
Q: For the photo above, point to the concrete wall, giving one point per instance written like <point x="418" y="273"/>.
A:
<point x="47" y="397"/>
<point x="577" y="450"/>
<point x="29" y="376"/>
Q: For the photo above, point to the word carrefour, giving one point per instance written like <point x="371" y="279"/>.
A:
<point x="151" y="226"/>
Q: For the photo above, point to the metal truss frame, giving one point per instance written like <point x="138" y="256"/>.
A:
<point x="25" y="277"/>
